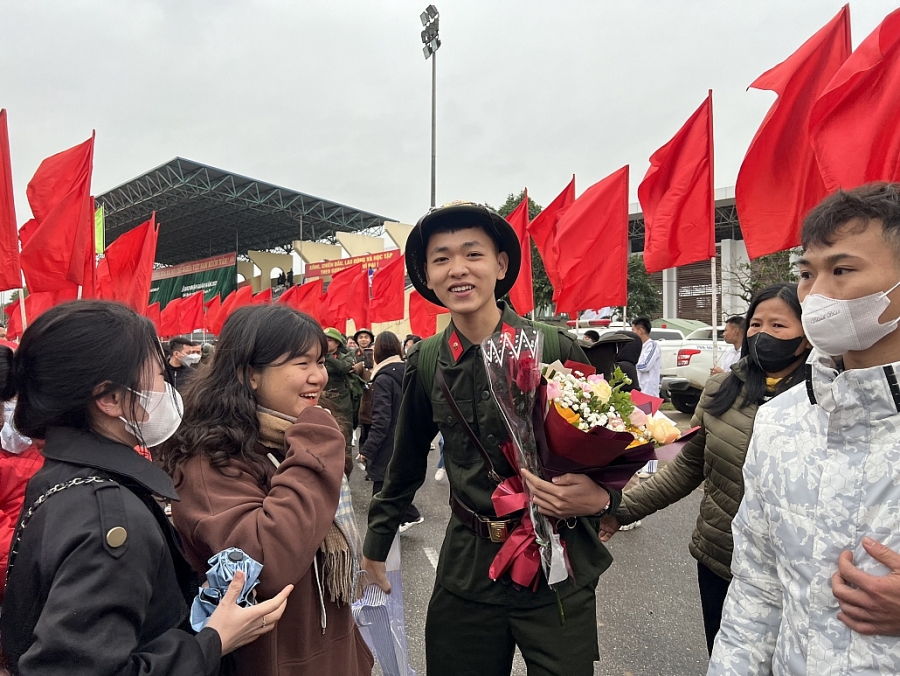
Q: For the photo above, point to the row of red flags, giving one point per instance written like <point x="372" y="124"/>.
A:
<point x="347" y="297"/>
<point x="833" y="125"/>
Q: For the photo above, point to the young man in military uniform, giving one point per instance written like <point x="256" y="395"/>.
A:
<point x="464" y="256"/>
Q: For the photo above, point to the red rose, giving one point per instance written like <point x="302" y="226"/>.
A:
<point x="528" y="374"/>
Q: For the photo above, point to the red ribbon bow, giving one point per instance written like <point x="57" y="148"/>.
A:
<point x="520" y="554"/>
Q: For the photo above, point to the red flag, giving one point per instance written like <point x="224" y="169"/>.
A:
<point x="331" y="316"/>
<point x="212" y="309"/>
<point x="240" y="298"/>
<point x="543" y="230"/>
<point x="854" y="124"/>
<point x="305" y="298"/>
<point x="10" y="272"/>
<point x="60" y="250"/>
<point x="357" y="306"/>
<point x="677" y="196"/>
<point x="522" y="294"/>
<point x="779" y="180"/>
<point x="423" y="315"/>
<point x="191" y="312"/>
<point x="388" y="285"/>
<point x="153" y="315"/>
<point x="339" y="300"/>
<point x="36" y="304"/>
<point x="170" y="318"/>
<point x="125" y="272"/>
<point x="216" y="318"/>
<point x="597" y="221"/>
<point x="264" y="297"/>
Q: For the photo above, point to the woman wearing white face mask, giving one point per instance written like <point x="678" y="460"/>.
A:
<point x="96" y="584"/>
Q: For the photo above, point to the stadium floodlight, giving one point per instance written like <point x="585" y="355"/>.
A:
<point x="431" y="21"/>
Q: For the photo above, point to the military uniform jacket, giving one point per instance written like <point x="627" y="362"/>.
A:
<point x="466" y="557"/>
<point x="338" y="369"/>
<point x="818" y="478"/>
<point x="81" y="601"/>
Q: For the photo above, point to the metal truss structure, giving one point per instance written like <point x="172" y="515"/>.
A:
<point x="204" y="211"/>
<point x="727" y="225"/>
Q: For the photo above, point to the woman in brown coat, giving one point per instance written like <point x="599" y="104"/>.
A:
<point x="259" y="465"/>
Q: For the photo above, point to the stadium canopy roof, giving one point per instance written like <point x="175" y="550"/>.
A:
<point x="204" y="211"/>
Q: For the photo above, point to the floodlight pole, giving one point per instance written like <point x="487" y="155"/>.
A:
<point x="433" y="122"/>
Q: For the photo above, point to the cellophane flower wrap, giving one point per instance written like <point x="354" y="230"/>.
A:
<point x="593" y="426"/>
<point x="512" y="359"/>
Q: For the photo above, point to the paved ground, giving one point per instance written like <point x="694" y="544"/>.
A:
<point x="648" y="607"/>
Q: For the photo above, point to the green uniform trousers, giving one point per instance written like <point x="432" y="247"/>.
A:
<point x="467" y="638"/>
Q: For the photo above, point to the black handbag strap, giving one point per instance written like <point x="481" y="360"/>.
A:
<point x="451" y="402"/>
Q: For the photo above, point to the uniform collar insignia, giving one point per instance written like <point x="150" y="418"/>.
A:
<point x="456" y="347"/>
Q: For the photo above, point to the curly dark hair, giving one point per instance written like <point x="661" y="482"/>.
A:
<point x="220" y="418"/>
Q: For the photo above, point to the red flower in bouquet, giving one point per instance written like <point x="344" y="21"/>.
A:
<point x="528" y="373"/>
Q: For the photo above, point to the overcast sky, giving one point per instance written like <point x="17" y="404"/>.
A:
<point x="333" y="98"/>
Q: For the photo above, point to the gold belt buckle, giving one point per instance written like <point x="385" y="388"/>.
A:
<point x="498" y="531"/>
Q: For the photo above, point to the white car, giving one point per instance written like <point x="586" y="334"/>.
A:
<point x="684" y="382"/>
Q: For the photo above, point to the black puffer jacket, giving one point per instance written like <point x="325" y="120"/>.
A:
<point x="387" y="386"/>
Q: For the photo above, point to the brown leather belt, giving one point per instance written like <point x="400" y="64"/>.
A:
<point x="496" y="530"/>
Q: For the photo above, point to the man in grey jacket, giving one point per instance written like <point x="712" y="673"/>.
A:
<point x="815" y="566"/>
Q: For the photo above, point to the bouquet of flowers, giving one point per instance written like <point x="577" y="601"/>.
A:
<point x="593" y="426"/>
<point x="561" y="419"/>
<point x="512" y="359"/>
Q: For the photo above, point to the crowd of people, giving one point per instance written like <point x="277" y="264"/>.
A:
<point x="250" y="445"/>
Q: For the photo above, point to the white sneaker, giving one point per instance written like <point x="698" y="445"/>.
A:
<point x="440" y="474"/>
<point x="630" y="526"/>
<point x="405" y="526"/>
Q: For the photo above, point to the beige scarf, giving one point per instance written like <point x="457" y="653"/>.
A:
<point x="390" y="360"/>
<point x="342" y="544"/>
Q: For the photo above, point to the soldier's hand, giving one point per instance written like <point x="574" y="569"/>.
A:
<point x="870" y="604"/>
<point x="375" y="574"/>
<point x="609" y="526"/>
<point x="716" y="369"/>
<point x="567" y="495"/>
<point x="238" y="626"/>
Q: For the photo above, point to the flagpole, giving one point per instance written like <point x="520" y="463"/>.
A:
<point x="712" y="261"/>
<point x="22" y="302"/>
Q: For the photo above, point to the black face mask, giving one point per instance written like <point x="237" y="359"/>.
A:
<point x="773" y="354"/>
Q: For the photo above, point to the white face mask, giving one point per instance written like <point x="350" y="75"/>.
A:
<point x="190" y="359"/>
<point x="164" y="412"/>
<point x="839" y="326"/>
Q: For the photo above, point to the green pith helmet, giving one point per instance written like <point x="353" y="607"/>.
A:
<point x="334" y="334"/>
<point x="461" y="215"/>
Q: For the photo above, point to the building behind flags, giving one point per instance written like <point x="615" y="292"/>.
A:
<point x="779" y="180"/>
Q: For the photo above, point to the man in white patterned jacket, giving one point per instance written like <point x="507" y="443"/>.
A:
<point x="816" y="539"/>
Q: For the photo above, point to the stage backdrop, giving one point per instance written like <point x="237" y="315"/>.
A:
<point x="216" y="276"/>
